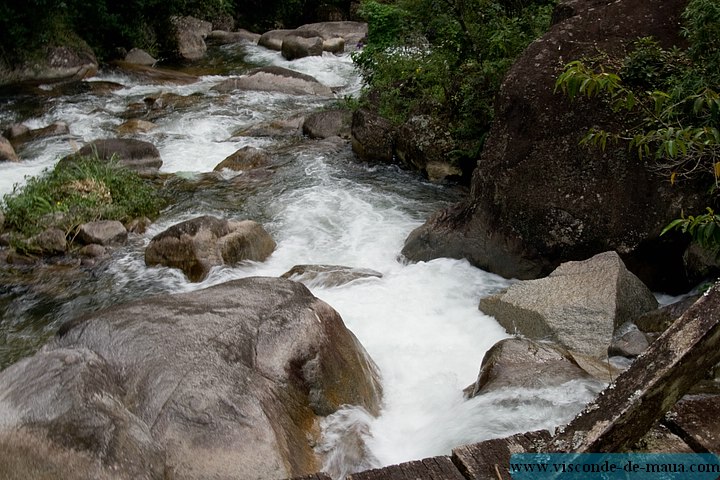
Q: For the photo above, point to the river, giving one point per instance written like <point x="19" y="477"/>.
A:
<point x="420" y="322"/>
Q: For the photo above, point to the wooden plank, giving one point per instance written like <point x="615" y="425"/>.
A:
<point x="489" y="460"/>
<point x="696" y="420"/>
<point x="628" y="408"/>
<point x="435" y="468"/>
<point x="314" y="476"/>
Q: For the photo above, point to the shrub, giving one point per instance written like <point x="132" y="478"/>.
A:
<point x="78" y="192"/>
<point x="445" y="58"/>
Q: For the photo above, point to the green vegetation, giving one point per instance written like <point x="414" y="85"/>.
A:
<point x="445" y="58"/>
<point x="106" y="25"/>
<point x="77" y="192"/>
<point x="672" y="103"/>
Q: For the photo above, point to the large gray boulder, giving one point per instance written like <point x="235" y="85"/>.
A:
<point x="137" y="155"/>
<point x="351" y="32"/>
<point x="51" y="241"/>
<point x="673" y="364"/>
<point x="579" y="305"/>
<point x="224" y="383"/>
<point x="328" y="123"/>
<point x="273" y="39"/>
<point x="189" y="37"/>
<point x="102" y="232"/>
<point x="56" y="64"/>
<point x="197" y="245"/>
<point x="294" y="47"/>
<point x="539" y="198"/>
<point x="373" y="137"/>
<point x="275" y="79"/>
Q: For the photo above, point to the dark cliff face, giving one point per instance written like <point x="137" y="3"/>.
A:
<point x="538" y="197"/>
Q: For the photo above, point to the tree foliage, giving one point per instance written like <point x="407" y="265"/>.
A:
<point x="445" y="57"/>
<point x="106" y="25"/>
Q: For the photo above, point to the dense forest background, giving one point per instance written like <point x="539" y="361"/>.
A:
<point x="106" y="25"/>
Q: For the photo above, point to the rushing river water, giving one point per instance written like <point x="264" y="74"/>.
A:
<point x="419" y="322"/>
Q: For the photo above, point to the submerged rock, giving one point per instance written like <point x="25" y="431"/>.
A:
<point x="247" y="158"/>
<point x="579" y="305"/>
<point x="275" y="79"/>
<point x="7" y="152"/>
<point x="153" y="75"/>
<point x="280" y="127"/>
<point x="197" y="245"/>
<point x="328" y="275"/>
<point x="136" y="126"/>
<point x="20" y="134"/>
<point x="226" y="382"/>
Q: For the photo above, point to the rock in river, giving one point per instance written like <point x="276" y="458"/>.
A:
<point x="197" y="245"/>
<point x="579" y="305"/>
<point x="225" y="383"/>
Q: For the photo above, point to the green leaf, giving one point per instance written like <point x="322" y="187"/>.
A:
<point x="673" y="225"/>
<point x="699" y="101"/>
